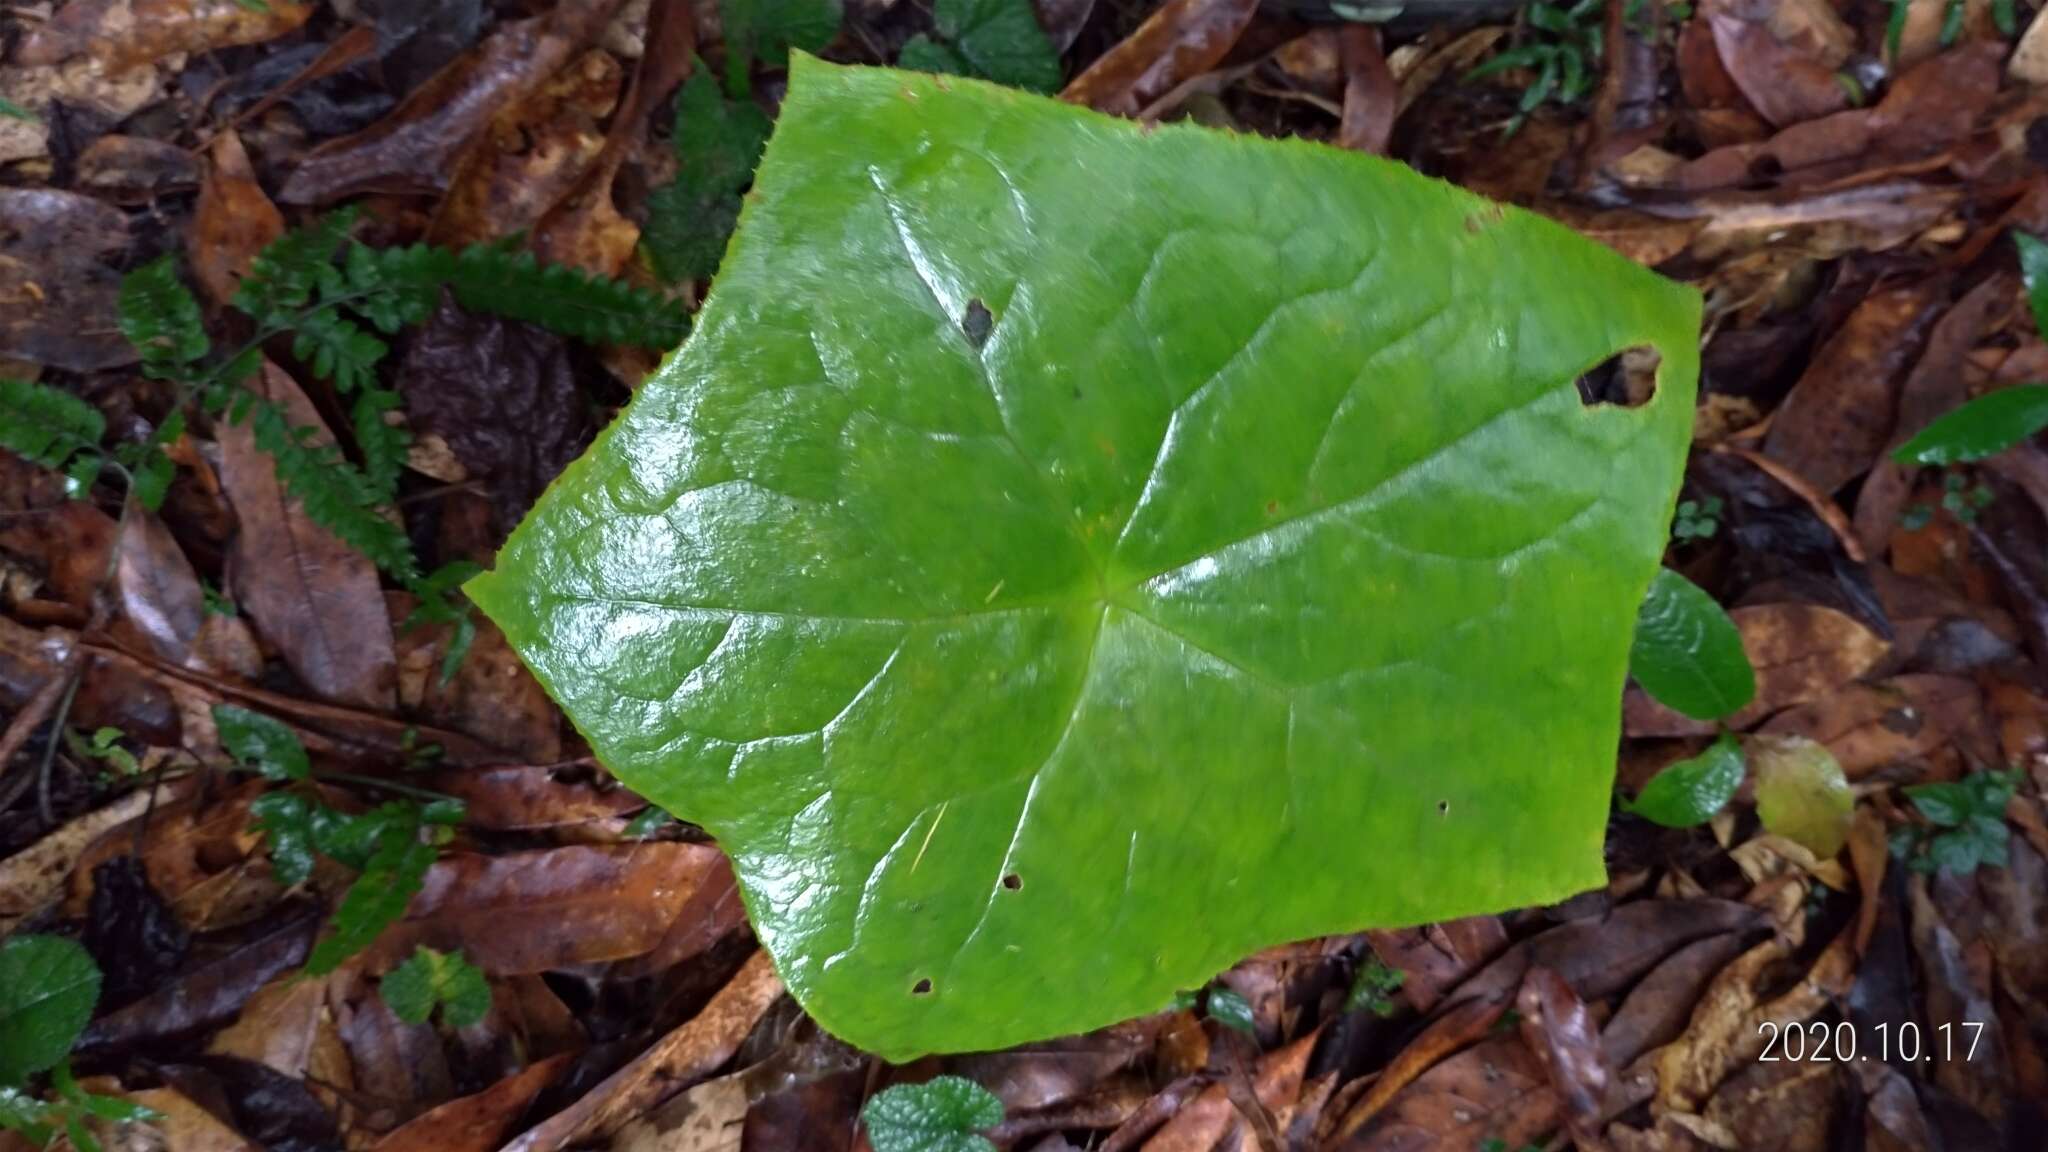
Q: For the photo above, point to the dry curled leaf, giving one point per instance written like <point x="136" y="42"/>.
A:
<point x="124" y="33"/>
<point x="1179" y="41"/>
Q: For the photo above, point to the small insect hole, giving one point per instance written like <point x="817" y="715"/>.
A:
<point x="922" y="987"/>
<point x="1443" y="807"/>
<point x="1627" y="379"/>
<point x="977" y="323"/>
<point x="1013" y="881"/>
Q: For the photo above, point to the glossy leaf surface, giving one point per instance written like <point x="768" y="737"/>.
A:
<point x="1688" y="653"/>
<point x="1984" y="427"/>
<point x="1071" y="555"/>
<point x="1691" y="791"/>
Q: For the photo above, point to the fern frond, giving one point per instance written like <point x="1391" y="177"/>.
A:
<point x="338" y="349"/>
<point x="160" y="317"/>
<point x="492" y="278"/>
<point x="383" y="445"/>
<point x="335" y="493"/>
<point x="282" y="277"/>
<point x="46" y="426"/>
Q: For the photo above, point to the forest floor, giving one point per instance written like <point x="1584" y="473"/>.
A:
<point x="1841" y="180"/>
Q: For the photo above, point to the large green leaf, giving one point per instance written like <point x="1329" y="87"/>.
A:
<point x="1073" y="554"/>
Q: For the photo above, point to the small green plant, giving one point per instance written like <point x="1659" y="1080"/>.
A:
<point x="1374" y="987"/>
<point x="1965" y="827"/>
<point x="1959" y="498"/>
<point x="1687" y="653"/>
<point x="999" y="40"/>
<point x="1562" y="46"/>
<point x="651" y="820"/>
<point x="217" y="602"/>
<point x="1229" y="1008"/>
<point x="104" y="745"/>
<point x="428" y="980"/>
<point x="717" y="141"/>
<point x="1697" y="519"/>
<point x="13" y="111"/>
<point x="767" y="29"/>
<point x="1689" y="792"/>
<point x="48" y="986"/>
<point x="943" y="1114"/>
<point x="390" y="847"/>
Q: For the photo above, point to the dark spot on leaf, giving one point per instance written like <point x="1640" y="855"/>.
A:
<point x="978" y="323"/>
<point x="922" y="988"/>
<point x="1627" y="379"/>
<point x="1013" y="881"/>
<point x="1272" y="507"/>
<point x="1903" y="721"/>
<point x="1443" y="807"/>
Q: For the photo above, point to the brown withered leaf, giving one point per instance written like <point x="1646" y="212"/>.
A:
<point x="135" y="169"/>
<point x="1656" y="1009"/>
<point x="534" y="796"/>
<point x="678" y="1060"/>
<point x="1801" y="652"/>
<point x="315" y="599"/>
<point x="210" y="994"/>
<point x="163" y="609"/>
<point x="711" y="1117"/>
<point x="1495" y="1090"/>
<point x="1599" y="956"/>
<point x="530" y="156"/>
<point x="286" y="1026"/>
<point x="1783" y="55"/>
<point x="1040" y="1076"/>
<point x="478" y="1122"/>
<point x="58" y="284"/>
<point x="1371" y="98"/>
<point x="1462" y="1024"/>
<point x="1959" y="988"/>
<point x="1205" y="1122"/>
<point x="232" y="221"/>
<point x="1562" y="1035"/>
<point x="124" y="33"/>
<point x="183" y="1126"/>
<point x="1935" y="385"/>
<point x="1726" y="1032"/>
<point x="33" y="879"/>
<point x="530" y="912"/>
<point x="88" y="85"/>
<point x="68" y="547"/>
<point x="415" y="148"/>
<point x="1784" y="1105"/>
<point x="1868" y="726"/>
<point x="491" y="696"/>
<point x="502" y="395"/>
<point x="1435" y="958"/>
<point x="1838" y="417"/>
<point x="1179" y="41"/>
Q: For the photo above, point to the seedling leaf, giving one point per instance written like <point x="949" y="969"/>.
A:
<point x="1687" y="652"/>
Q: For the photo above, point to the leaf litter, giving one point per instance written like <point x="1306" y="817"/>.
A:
<point x="1847" y="207"/>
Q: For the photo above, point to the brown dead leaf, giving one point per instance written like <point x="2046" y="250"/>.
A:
<point x="1801" y="652"/>
<point x="1566" y="1042"/>
<point x="1838" y="417"/>
<point x="163" y="609"/>
<point x="124" y="33"/>
<point x="135" y="169"/>
<point x="1959" y="1006"/>
<point x="1727" y="1029"/>
<point x="58" y="285"/>
<point x="711" y="1117"/>
<point x="531" y="912"/>
<point x="1045" y="1075"/>
<point x="1177" y="42"/>
<point x="1464" y="1023"/>
<point x="535" y="796"/>
<point x="1783" y="55"/>
<point x="1784" y="1105"/>
<point x="1868" y="726"/>
<point x="208" y="995"/>
<point x="1495" y="1090"/>
<point x="181" y="1126"/>
<point x="315" y="599"/>
<point x="86" y="84"/>
<point x="1371" y="99"/>
<point x="416" y="147"/>
<point x="678" y="1060"/>
<point x="530" y="156"/>
<point x="491" y="696"/>
<point x="1435" y="958"/>
<point x="1601" y="955"/>
<point x="286" y="1026"/>
<point x="33" y="879"/>
<point x="232" y="221"/>
<point x="1205" y="1122"/>
<point x="1656" y="1010"/>
<point x="476" y="1123"/>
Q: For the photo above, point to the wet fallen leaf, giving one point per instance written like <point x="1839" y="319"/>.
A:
<point x="479" y="1122"/>
<point x="314" y="598"/>
<point x="1371" y="99"/>
<point x="210" y="994"/>
<point x="415" y="148"/>
<point x="530" y="912"/>
<point x="491" y="696"/>
<point x="1656" y="1009"/>
<point x="682" y="1058"/>
<point x="57" y="281"/>
<point x="124" y="33"/>
<point x="1784" y="1105"/>
<point x="33" y="879"/>
<point x="1434" y="958"/>
<point x="1801" y="793"/>
<point x="1206" y="1121"/>
<point x="1725" y="1032"/>
<point x="1180" y="40"/>
<point x="1783" y="55"/>
<point x="1801" y="652"/>
<point x="711" y="1117"/>
<point x="1868" y="726"/>
<point x="537" y="796"/>
<point x="1494" y="1091"/>
<point x="163" y="609"/>
<point x="232" y="222"/>
<point x="135" y="169"/>
<point x="91" y="85"/>
<point x="1562" y="1035"/>
<point x="1838" y="419"/>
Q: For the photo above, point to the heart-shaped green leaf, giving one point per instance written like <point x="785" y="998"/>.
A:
<point x="1072" y="554"/>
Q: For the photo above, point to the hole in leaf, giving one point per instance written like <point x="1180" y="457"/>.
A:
<point x="1013" y="881"/>
<point x="1627" y="379"/>
<point x="978" y="323"/>
<point x="1443" y="807"/>
<point x="922" y="988"/>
